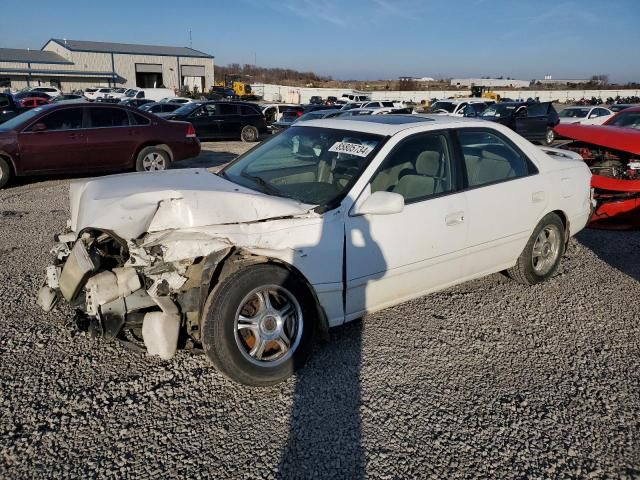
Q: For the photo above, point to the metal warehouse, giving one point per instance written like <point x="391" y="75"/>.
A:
<point x="76" y="64"/>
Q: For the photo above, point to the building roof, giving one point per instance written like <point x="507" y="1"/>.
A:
<point x="75" y="73"/>
<point x="31" y="56"/>
<point x="128" y="48"/>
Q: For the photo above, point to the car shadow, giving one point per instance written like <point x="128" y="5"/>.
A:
<point x="325" y="438"/>
<point x="608" y="245"/>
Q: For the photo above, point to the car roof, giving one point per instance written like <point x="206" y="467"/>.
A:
<point x="391" y="124"/>
<point x="631" y="109"/>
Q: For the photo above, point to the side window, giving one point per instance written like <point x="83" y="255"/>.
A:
<point x="227" y="109"/>
<point x="461" y="107"/>
<point x="67" y="119"/>
<point x="4" y="102"/>
<point x="419" y="168"/>
<point x="489" y="158"/>
<point x="138" y="119"/>
<point x="246" y="110"/>
<point x="108" y="117"/>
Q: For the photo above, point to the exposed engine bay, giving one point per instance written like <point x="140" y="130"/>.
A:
<point x="616" y="183"/>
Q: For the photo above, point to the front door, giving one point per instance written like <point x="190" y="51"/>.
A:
<point x="506" y="196"/>
<point x="206" y="121"/>
<point x="396" y="257"/>
<point x="58" y="143"/>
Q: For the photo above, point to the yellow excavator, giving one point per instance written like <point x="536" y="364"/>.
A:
<point x="240" y="89"/>
<point x="479" y="91"/>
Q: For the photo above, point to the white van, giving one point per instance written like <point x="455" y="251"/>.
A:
<point x="155" y="94"/>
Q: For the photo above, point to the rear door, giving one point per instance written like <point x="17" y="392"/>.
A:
<point x="230" y="120"/>
<point x="61" y="147"/>
<point x="110" y="138"/>
<point x="506" y="195"/>
<point x="537" y="121"/>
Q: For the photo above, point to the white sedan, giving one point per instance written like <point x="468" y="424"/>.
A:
<point x="319" y="225"/>
<point x="585" y="115"/>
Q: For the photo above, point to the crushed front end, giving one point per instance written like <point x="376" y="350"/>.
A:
<point x="124" y="288"/>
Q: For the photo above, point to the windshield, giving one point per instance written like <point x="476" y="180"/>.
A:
<point x="447" y="106"/>
<point x="313" y="165"/>
<point x="186" y="109"/>
<point x="574" y="112"/>
<point x="130" y="93"/>
<point x="498" y="110"/>
<point x="626" y="119"/>
<point x="19" y="119"/>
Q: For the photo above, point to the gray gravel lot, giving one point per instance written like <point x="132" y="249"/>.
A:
<point x="486" y="380"/>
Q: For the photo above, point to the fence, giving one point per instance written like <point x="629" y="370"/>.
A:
<point x="287" y="94"/>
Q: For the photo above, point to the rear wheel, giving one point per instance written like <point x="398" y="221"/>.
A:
<point x="249" y="134"/>
<point x="541" y="256"/>
<point x="257" y="326"/>
<point x="549" y="137"/>
<point x="5" y="172"/>
<point x="152" y="159"/>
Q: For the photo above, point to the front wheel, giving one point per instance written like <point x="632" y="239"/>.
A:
<point x="249" y="134"/>
<point x="257" y="326"/>
<point x="541" y="256"/>
<point x="151" y="159"/>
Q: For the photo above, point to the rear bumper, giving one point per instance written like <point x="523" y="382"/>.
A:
<point x="190" y="148"/>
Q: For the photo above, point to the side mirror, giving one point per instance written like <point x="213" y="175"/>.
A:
<point x="380" y="203"/>
<point x="39" y="127"/>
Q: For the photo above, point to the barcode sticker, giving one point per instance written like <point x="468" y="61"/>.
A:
<point x="351" y="149"/>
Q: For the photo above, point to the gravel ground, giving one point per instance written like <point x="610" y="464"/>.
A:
<point x="486" y="380"/>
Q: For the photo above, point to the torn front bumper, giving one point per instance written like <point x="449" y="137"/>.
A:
<point x="96" y="274"/>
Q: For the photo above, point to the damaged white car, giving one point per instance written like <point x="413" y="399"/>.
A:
<point x="321" y="224"/>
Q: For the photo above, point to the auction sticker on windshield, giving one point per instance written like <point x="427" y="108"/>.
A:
<point x="351" y="148"/>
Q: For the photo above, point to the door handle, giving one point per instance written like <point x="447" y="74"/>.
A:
<point x="453" y="219"/>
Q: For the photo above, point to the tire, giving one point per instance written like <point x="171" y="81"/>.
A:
<point x="5" y="172"/>
<point x="549" y="137"/>
<point x="151" y="159"/>
<point x="249" y="134"/>
<point x="241" y="334"/>
<point x="541" y="256"/>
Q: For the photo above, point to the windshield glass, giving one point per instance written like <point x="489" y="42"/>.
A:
<point x="623" y="119"/>
<point x="447" y="106"/>
<point x="312" y="165"/>
<point x="187" y="108"/>
<point x="498" y="110"/>
<point x="574" y="112"/>
<point x="130" y="93"/>
<point x="19" y="119"/>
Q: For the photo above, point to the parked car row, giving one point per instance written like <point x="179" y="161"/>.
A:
<point x="86" y="137"/>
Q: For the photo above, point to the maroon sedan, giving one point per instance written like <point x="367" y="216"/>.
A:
<point x="91" y="138"/>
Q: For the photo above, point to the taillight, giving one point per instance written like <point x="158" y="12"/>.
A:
<point x="299" y="113"/>
<point x="191" y="132"/>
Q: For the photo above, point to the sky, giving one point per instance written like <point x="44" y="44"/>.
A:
<point x="363" y="39"/>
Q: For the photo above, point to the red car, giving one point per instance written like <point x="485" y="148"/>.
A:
<point x="91" y="138"/>
<point x="32" y="102"/>
<point x="612" y="151"/>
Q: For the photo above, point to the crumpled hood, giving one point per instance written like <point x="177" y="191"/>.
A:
<point x="135" y="203"/>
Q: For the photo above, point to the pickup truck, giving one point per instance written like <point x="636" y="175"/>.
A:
<point x="8" y="107"/>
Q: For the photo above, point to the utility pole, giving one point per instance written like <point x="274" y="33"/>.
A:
<point x="190" y="40"/>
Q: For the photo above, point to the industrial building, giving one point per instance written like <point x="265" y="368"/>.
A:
<point x="490" y="82"/>
<point x="76" y="64"/>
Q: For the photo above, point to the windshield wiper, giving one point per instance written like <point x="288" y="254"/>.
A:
<point x="268" y="188"/>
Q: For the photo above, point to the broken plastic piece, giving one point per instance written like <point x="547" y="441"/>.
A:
<point x="160" y="334"/>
